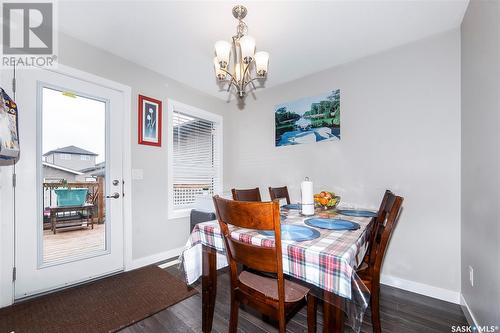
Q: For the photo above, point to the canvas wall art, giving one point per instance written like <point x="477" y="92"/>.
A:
<point x="308" y="120"/>
<point x="150" y="115"/>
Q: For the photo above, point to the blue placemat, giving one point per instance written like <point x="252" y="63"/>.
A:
<point x="332" y="224"/>
<point x="356" y="212"/>
<point x="296" y="233"/>
<point x="292" y="206"/>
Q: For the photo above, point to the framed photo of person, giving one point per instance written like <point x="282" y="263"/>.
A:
<point x="150" y="122"/>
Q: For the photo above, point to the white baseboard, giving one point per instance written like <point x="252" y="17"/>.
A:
<point x="421" y="288"/>
<point x="170" y="263"/>
<point x="144" y="261"/>
<point x="469" y="315"/>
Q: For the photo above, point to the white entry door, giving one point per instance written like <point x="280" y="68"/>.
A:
<point x="69" y="183"/>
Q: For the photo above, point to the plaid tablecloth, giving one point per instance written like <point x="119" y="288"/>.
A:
<point x="327" y="262"/>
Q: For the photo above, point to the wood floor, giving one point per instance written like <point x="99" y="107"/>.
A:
<point x="72" y="242"/>
<point x="401" y="312"/>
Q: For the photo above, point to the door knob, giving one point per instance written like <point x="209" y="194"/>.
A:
<point x="115" y="195"/>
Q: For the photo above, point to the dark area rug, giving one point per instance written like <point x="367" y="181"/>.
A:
<point x="106" y="305"/>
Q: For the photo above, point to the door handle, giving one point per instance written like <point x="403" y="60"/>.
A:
<point x="115" y="195"/>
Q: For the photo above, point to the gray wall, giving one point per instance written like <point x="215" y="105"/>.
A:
<point x="400" y="129"/>
<point x="480" y="160"/>
<point x="153" y="233"/>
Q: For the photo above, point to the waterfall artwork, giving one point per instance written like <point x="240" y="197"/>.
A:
<point x="308" y="120"/>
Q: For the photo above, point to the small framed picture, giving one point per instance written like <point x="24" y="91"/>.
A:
<point x="149" y="121"/>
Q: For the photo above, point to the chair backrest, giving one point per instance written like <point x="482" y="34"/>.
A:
<point x="252" y="194"/>
<point x="384" y="232"/>
<point x="251" y="215"/>
<point x="279" y="193"/>
<point x="381" y="217"/>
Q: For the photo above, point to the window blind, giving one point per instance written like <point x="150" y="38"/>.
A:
<point x="196" y="159"/>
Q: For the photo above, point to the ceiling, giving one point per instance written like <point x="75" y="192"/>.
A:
<point x="175" y="38"/>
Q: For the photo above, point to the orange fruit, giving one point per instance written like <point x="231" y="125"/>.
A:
<point x="324" y="201"/>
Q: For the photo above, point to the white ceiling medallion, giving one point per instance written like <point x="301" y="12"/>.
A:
<point x="245" y="66"/>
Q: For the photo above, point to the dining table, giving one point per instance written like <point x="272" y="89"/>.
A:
<point x="326" y="263"/>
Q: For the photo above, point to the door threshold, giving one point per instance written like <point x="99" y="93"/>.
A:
<point x="76" y="284"/>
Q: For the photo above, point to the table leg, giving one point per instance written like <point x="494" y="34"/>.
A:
<point x="333" y="315"/>
<point x="90" y="218"/>
<point x="53" y="222"/>
<point x="209" y="287"/>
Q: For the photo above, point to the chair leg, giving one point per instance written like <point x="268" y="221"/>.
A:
<point x="312" y="306"/>
<point x="282" y="326"/>
<point x="282" y="319"/>
<point x="375" y="310"/>
<point x="233" y="318"/>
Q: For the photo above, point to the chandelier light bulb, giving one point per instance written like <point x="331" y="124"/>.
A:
<point x="247" y="45"/>
<point x="237" y="72"/>
<point x="261" y="63"/>
<point x="223" y="51"/>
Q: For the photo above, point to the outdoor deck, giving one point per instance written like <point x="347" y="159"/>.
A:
<point x="72" y="243"/>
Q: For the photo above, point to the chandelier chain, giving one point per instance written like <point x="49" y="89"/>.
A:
<point x="241" y="29"/>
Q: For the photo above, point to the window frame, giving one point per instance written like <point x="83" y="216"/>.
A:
<point x="199" y="113"/>
<point x="65" y="156"/>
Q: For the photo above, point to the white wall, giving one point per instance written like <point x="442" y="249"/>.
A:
<point x="400" y="129"/>
<point x="480" y="160"/>
<point x="154" y="236"/>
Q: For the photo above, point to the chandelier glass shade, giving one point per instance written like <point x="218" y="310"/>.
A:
<point x="237" y="63"/>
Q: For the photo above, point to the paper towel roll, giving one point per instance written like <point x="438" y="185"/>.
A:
<point x="307" y="197"/>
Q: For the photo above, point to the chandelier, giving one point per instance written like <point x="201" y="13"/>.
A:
<point x="246" y="65"/>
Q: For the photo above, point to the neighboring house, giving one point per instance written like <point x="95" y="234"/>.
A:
<point x="99" y="170"/>
<point x="71" y="157"/>
<point x="55" y="173"/>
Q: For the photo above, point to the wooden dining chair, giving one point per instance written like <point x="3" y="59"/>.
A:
<point x="370" y="274"/>
<point x="269" y="293"/>
<point x="279" y="193"/>
<point x="252" y="194"/>
<point x="380" y="218"/>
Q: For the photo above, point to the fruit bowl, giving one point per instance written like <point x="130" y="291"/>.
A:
<point x="326" y="200"/>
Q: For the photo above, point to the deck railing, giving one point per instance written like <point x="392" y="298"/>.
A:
<point x="185" y="194"/>
<point x="95" y="194"/>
